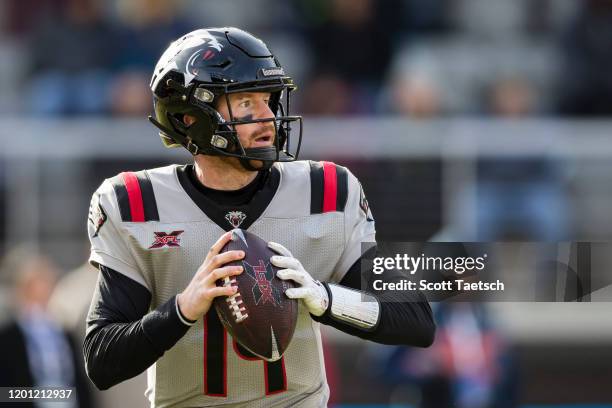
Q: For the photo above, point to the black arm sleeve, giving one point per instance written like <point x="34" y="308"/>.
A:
<point x="123" y="338"/>
<point x="405" y="316"/>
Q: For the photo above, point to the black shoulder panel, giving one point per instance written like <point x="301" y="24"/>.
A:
<point x="328" y="187"/>
<point x="135" y="197"/>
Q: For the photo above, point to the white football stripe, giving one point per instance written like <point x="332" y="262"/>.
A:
<point x="275" y="353"/>
<point x="240" y="235"/>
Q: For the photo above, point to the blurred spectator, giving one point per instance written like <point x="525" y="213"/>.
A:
<point x="146" y="26"/>
<point x="417" y="97"/>
<point x="417" y="87"/>
<point x="447" y="77"/>
<point x="585" y="86"/>
<point x="512" y="97"/>
<point x="69" y="304"/>
<point x="519" y="198"/>
<point x="70" y="299"/>
<point x="512" y="197"/>
<point x="129" y="94"/>
<point x="328" y="94"/>
<point x="70" y="56"/>
<point x="34" y="350"/>
<point x="468" y="366"/>
<point x="352" y="43"/>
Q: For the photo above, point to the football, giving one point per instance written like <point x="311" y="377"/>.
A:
<point x="259" y="316"/>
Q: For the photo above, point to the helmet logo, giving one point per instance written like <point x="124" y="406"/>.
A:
<point x="235" y="218"/>
<point x="213" y="42"/>
<point x="201" y="37"/>
<point x="206" y="44"/>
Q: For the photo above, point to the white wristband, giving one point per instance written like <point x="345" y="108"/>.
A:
<point x="354" y="307"/>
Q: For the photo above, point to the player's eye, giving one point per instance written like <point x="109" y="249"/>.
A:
<point x="245" y="103"/>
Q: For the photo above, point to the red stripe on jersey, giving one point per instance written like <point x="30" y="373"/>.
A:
<point x="134" y="196"/>
<point x="330" y="186"/>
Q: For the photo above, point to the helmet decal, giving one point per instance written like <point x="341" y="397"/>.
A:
<point x="205" y="44"/>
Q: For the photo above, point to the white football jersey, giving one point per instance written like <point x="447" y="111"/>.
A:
<point x="155" y="227"/>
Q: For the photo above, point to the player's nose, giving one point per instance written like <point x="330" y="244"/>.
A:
<point x="264" y="111"/>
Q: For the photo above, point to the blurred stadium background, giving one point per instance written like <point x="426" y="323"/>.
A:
<point x="473" y="120"/>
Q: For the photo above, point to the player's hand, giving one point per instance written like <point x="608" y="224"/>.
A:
<point x="312" y="292"/>
<point x="198" y="296"/>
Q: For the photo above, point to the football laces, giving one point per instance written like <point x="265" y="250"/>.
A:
<point x="234" y="302"/>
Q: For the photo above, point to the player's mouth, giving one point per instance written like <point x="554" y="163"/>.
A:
<point x="262" y="140"/>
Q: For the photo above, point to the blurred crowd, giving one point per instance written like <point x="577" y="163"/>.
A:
<point x="41" y="326"/>
<point x="417" y="58"/>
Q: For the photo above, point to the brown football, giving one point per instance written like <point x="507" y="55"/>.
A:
<point x="259" y="316"/>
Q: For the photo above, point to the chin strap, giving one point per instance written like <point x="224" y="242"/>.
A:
<point x="267" y="155"/>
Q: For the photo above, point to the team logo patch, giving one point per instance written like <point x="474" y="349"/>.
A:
<point x="235" y="218"/>
<point x="97" y="217"/>
<point x="262" y="289"/>
<point x="170" y="240"/>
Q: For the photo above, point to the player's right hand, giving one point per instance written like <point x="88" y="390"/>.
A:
<point x="198" y="296"/>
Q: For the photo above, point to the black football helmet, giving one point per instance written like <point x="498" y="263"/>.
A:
<point x="205" y="65"/>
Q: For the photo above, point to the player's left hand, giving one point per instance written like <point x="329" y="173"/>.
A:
<point x="312" y="292"/>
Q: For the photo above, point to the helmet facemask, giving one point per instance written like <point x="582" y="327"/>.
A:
<point x="224" y="140"/>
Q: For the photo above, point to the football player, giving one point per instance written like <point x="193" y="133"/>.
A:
<point x="156" y="237"/>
